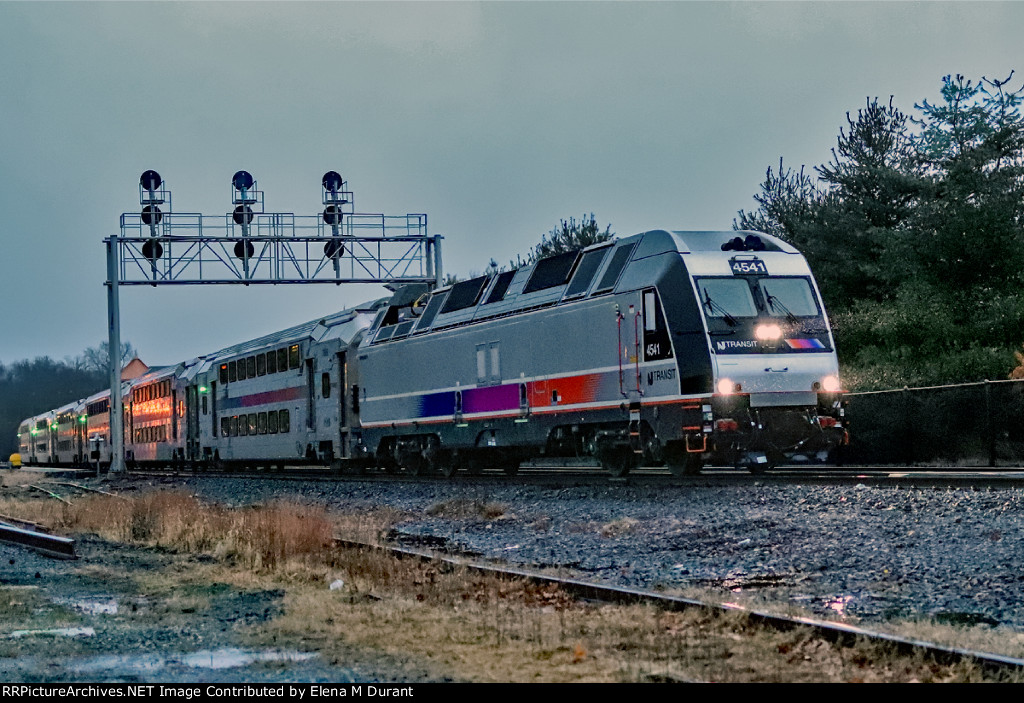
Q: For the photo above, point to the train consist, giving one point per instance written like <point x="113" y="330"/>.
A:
<point x="676" y="347"/>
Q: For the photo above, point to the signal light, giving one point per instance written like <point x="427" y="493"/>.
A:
<point x="150" y="180"/>
<point x="242" y="215"/>
<point x="332" y="215"/>
<point x="151" y="215"/>
<point x="242" y="180"/>
<point x="726" y="386"/>
<point x="831" y="384"/>
<point x="152" y="250"/>
<point x="244" y="249"/>
<point x="332" y="181"/>
<point x="334" y="250"/>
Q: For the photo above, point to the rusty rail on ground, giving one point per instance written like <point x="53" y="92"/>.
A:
<point x="838" y="633"/>
<point x="50" y="545"/>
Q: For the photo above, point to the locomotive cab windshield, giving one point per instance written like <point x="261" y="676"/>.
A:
<point x="763" y="309"/>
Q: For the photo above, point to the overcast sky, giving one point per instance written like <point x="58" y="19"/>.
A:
<point x="495" y="119"/>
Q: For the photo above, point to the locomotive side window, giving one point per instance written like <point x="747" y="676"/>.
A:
<point x="585" y="272"/>
<point x="234" y="426"/>
<point x="250" y="367"/>
<point x="232" y="371"/>
<point x="272" y="422"/>
<point x="495" y="362"/>
<point x="657" y="345"/>
<point x="325" y="385"/>
<point x="241" y="370"/>
<point x="726" y="297"/>
<point x="223" y="373"/>
<point x="293" y="356"/>
<point x="242" y="426"/>
<point x="481" y="363"/>
<point x="225" y="426"/>
<point x="614" y="270"/>
<point x="252" y="423"/>
<point x="784" y="296"/>
<point x="282" y="359"/>
<point x="271" y="362"/>
<point x="284" y="420"/>
<point x="650" y="311"/>
<point x="205" y="406"/>
<point x="261" y="423"/>
<point x="261" y="365"/>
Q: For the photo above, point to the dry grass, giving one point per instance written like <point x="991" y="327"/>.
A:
<point x="265" y="537"/>
<point x="467" y="509"/>
<point x="618" y="527"/>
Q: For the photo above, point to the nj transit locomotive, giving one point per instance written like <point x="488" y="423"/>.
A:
<point x="674" y="347"/>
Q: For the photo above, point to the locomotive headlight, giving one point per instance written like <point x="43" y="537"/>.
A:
<point x="830" y="384"/>
<point x="725" y="386"/>
<point x="768" y="333"/>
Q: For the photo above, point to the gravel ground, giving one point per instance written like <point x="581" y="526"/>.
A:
<point x="856" y="552"/>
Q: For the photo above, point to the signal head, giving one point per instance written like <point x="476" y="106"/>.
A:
<point x="151" y="215"/>
<point x="150" y="180"/>
<point x="332" y="215"/>
<point x="242" y="215"/>
<point x="332" y="181"/>
<point x="242" y="180"/>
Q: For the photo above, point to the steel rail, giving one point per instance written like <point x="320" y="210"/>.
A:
<point x="50" y="545"/>
<point x="839" y="633"/>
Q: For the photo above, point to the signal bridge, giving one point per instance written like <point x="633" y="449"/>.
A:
<point x="247" y="246"/>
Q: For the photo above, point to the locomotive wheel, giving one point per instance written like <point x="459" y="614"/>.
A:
<point x="618" y="461"/>
<point x="690" y="465"/>
<point x="449" y="468"/>
<point x="415" y="463"/>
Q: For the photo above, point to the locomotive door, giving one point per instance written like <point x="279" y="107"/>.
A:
<point x="629" y="353"/>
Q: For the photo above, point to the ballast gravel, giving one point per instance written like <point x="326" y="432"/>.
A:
<point x="857" y="552"/>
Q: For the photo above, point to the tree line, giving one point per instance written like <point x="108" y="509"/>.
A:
<point x="28" y="388"/>
<point x="914" y="229"/>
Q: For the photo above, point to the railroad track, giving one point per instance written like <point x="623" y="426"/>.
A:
<point x="838" y="633"/>
<point x="576" y="475"/>
<point x="22" y="535"/>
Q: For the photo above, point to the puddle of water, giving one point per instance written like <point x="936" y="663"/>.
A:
<point x="144" y="663"/>
<point x="92" y="605"/>
<point x="229" y="658"/>
<point x="225" y="658"/>
<point x="838" y="605"/>
<point x="56" y="632"/>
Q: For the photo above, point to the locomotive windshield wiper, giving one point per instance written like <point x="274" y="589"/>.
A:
<point x="715" y="307"/>
<point x="774" y="302"/>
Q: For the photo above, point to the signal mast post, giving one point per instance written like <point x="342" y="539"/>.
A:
<point x="252" y="247"/>
<point x="114" y="342"/>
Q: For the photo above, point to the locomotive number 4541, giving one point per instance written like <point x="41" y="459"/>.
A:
<point x="748" y="267"/>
